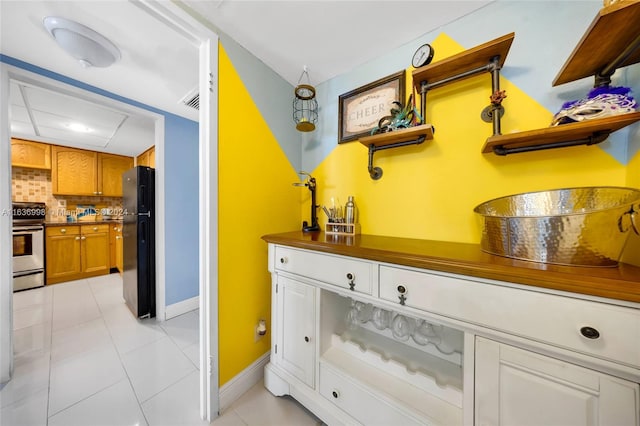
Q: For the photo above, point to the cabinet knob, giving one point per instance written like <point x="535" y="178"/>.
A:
<point x="99" y="192"/>
<point x="63" y="231"/>
<point x="118" y="237"/>
<point x="306" y="339"/>
<point x="83" y="238"/>
<point x="351" y="277"/>
<point x="77" y="238"/>
<point x="95" y="228"/>
<point x="283" y="260"/>
<point x="590" y="333"/>
<point x="335" y="394"/>
<point x="402" y="294"/>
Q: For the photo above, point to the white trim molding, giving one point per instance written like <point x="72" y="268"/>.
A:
<point x="242" y="382"/>
<point x="182" y="307"/>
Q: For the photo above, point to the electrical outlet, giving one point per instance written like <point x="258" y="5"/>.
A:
<point x="260" y="330"/>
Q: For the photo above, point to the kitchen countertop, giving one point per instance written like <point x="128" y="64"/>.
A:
<point x="93" y="222"/>
<point x="621" y="282"/>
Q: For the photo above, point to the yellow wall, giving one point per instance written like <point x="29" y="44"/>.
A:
<point x="255" y="198"/>
<point x="429" y="191"/>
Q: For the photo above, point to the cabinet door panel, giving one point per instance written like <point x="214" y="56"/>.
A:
<point x="30" y="154"/>
<point x="296" y="325"/>
<point x="95" y="249"/>
<point x="73" y="171"/>
<point x="63" y="258"/>
<point x="110" y="170"/>
<point x="518" y="387"/>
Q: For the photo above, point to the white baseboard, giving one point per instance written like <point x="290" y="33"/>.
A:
<point x="182" y="307"/>
<point x="242" y="382"/>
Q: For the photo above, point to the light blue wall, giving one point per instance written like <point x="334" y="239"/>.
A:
<point x="546" y="33"/>
<point x="181" y="197"/>
<point x="181" y="189"/>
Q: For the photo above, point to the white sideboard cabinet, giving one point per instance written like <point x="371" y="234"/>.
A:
<point x="365" y="334"/>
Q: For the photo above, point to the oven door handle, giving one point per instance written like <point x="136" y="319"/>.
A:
<point x="25" y="231"/>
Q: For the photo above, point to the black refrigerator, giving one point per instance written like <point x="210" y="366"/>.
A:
<point x="138" y="232"/>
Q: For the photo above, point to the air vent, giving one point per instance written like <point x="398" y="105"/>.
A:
<point x="192" y="100"/>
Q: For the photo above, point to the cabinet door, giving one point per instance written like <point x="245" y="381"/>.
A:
<point x="73" y="171"/>
<point x="517" y="387"/>
<point x="95" y="249"/>
<point x="119" y="250"/>
<point x="110" y="169"/>
<point x="63" y="254"/>
<point x="30" y="154"/>
<point x="295" y="344"/>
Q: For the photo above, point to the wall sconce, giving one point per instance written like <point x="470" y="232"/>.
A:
<point x="305" y="106"/>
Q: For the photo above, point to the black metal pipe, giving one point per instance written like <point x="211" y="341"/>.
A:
<point x="495" y="87"/>
<point x="460" y="76"/>
<point x="591" y="140"/>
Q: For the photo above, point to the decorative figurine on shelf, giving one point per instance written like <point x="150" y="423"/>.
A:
<point x="311" y="184"/>
<point x="401" y="117"/>
<point x="600" y="102"/>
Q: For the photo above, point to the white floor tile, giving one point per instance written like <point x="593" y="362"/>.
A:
<point x="229" y="418"/>
<point x="258" y="407"/>
<point x="177" y="405"/>
<point x="193" y="353"/>
<point x="153" y="367"/>
<point x="31" y="315"/>
<point x="32" y="340"/>
<point x="130" y="333"/>
<point x="30" y="375"/>
<point x="81" y="338"/>
<point x="34" y="296"/>
<point x="183" y="329"/>
<point x="114" y="406"/>
<point x="80" y="376"/>
<point x="73" y="304"/>
<point x="107" y="290"/>
<point x="29" y="411"/>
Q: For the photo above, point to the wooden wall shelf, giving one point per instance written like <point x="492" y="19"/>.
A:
<point x="559" y="136"/>
<point x="613" y="30"/>
<point x="398" y="136"/>
<point x="463" y="62"/>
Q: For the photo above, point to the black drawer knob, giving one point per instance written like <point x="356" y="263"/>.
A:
<point x="590" y="332"/>
<point x="350" y="276"/>
<point x="306" y="339"/>
<point x="335" y="394"/>
<point x="283" y="260"/>
<point x="402" y="289"/>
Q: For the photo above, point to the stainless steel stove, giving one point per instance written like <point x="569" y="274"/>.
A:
<point x="28" y="245"/>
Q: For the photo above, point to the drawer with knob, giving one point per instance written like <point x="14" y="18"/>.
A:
<point x="584" y="326"/>
<point x="62" y="230"/>
<point x="358" y="401"/>
<point x="352" y="274"/>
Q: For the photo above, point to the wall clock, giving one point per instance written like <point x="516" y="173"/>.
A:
<point x="423" y="56"/>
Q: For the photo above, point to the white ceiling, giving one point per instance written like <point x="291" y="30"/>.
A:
<point x="159" y="66"/>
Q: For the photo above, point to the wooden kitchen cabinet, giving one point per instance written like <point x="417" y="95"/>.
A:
<point x="484" y="356"/>
<point x="147" y="158"/>
<point x="116" y="247"/>
<point x="81" y="172"/>
<point x="518" y="387"/>
<point x="76" y="251"/>
<point x="34" y="155"/>
<point x="110" y="170"/>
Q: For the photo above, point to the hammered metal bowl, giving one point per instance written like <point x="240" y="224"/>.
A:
<point x="573" y="226"/>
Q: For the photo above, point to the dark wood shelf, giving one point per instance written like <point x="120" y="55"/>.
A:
<point x="562" y="133"/>
<point x="615" y="28"/>
<point x="463" y="62"/>
<point x="399" y="136"/>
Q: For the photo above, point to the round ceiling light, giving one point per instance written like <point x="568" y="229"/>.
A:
<point x="84" y="44"/>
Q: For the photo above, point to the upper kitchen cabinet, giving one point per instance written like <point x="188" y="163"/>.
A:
<point x="110" y="170"/>
<point x="147" y="158"/>
<point x="80" y="172"/>
<point x="30" y="154"/>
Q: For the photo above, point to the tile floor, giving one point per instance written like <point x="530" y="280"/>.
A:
<point x="81" y="358"/>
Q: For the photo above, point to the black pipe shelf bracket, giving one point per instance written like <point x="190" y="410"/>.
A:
<point x="376" y="172"/>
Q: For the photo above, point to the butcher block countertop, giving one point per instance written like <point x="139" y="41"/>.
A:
<point x="621" y="282"/>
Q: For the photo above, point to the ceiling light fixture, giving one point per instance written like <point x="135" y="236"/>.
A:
<point x="84" y="44"/>
<point x="305" y="106"/>
<point x="78" y="127"/>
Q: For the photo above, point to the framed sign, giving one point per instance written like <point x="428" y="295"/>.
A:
<point x="360" y="110"/>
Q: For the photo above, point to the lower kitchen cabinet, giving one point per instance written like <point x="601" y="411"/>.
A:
<point x="518" y="387"/>
<point x="116" y="247"/>
<point x="362" y="341"/>
<point x="76" y="251"/>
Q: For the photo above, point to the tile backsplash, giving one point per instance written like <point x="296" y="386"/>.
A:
<point x="34" y="185"/>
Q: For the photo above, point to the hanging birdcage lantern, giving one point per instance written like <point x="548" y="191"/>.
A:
<point x="305" y="106"/>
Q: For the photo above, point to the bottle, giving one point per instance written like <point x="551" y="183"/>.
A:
<point x="350" y="210"/>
